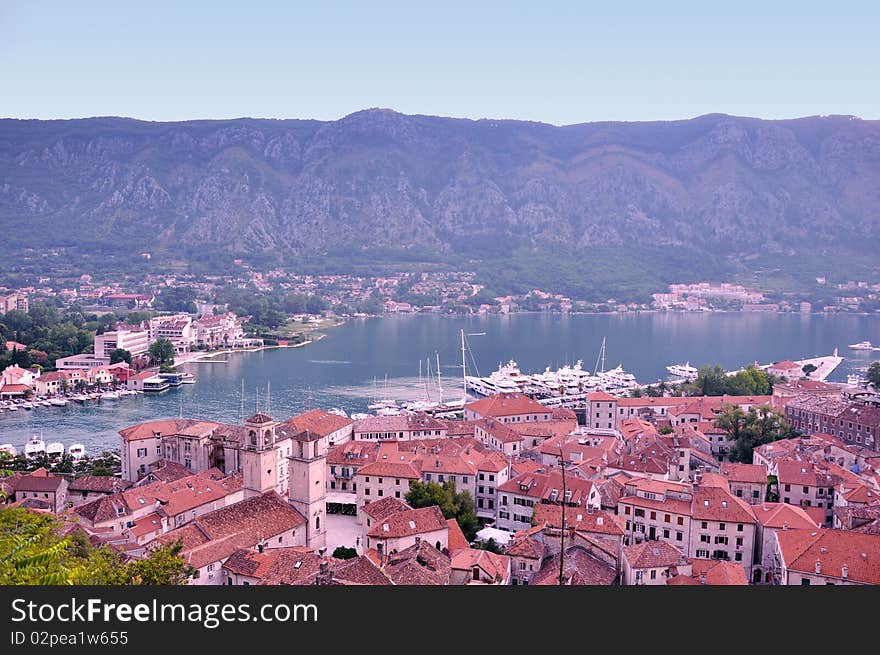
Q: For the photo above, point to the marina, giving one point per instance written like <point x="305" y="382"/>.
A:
<point x="347" y="369"/>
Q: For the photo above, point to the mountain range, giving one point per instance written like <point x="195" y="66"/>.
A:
<point x="716" y="195"/>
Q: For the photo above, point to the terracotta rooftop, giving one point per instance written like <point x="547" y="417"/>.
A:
<point x="507" y="404"/>
<point x="838" y="553"/>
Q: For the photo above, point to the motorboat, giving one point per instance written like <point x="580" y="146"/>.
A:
<point x="76" y="451"/>
<point x="188" y="378"/>
<point x="27" y="405"/>
<point x="682" y="371"/>
<point x="338" y="411"/>
<point x="862" y="345"/>
<point x="54" y="450"/>
<point x="34" y="448"/>
<point x="58" y="402"/>
<point x="110" y="395"/>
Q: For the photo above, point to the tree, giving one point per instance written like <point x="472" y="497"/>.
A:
<point x="751" y="429"/>
<point x="164" y="566"/>
<point x="873" y="374"/>
<point x="454" y="505"/>
<point x="120" y="355"/>
<point x="33" y="551"/>
<point x="808" y="368"/>
<point x="162" y="351"/>
<point x="342" y="552"/>
<point x="490" y="545"/>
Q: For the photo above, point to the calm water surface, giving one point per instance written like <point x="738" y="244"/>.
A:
<point x="348" y="367"/>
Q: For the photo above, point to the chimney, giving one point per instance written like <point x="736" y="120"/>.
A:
<point x="418" y="540"/>
<point x="818" y="566"/>
<point x="844" y="571"/>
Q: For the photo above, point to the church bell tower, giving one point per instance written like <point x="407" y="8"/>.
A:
<point x="258" y="456"/>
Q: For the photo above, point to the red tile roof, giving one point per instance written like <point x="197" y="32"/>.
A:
<point x="506" y="404"/>
<point x="455" y="538"/>
<point x="409" y="522"/>
<point x="833" y="550"/>
<point x="735" y="472"/>
<point x="318" y="421"/>
<point x="653" y="555"/>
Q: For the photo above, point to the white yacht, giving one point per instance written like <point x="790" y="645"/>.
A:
<point x="682" y="371"/>
<point x="110" y="395"/>
<point x="862" y="345"/>
<point x="76" y="451"/>
<point x="34" y="448"/>
<point x="616" y="379"/>
<point x="9" y="449"/>
<point x="54" y="450"/>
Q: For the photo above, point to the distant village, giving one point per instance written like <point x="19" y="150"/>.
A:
<point x="432" y="291"/>
<point x="641" y="492"/>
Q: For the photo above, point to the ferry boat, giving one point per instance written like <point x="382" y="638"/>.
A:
<point x="863" y="345"/>
<point x="682" y="371"/>
<point x="155" y="384"/>
<point x="34" y="448"/>
<point x="55" y="450"/>
<point x="76" y="451"/>
<point x="9" y="449"/>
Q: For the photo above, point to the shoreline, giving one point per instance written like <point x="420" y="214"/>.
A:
<point x="207" y="355"/>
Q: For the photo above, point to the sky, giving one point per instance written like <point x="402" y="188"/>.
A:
<point x="549" y="61"/>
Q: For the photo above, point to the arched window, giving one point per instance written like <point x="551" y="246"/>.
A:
<point x="317" y="524"/>
<point x="253" y="437"/>
<point x="267" y="437"/>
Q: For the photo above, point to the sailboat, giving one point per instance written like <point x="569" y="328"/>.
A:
<point x="385" y="403"/>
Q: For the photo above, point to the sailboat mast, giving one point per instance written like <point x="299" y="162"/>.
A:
<point x="463" y="368"/>
<point x="600" y="358"/>
<point x="439" y="384"/>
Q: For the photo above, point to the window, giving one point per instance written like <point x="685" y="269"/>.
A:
<point x="381" y="493"/>
<point x="738" y="557"/>
<point x="704" y="525"/>
<point x="805" y="581"/>
<point x="679" y="536"/>
<point x="666" y="534"/>
<point x="721" y="526"/>
<point x="142" y="452"/>
<point x="653" y="516"/>
<point x="739" y="541"/>
<point x="680" y="520"/>
<point x="491" y="477"/>
<point x="788" y="487"/>
<point x="666" y="518"/>
<point x="482" y="477"/>
<point x="626" y="510"/>
<point x="739" y="527"/>
<point x="367" y="491"/>
<point x="806" y="490"/>
<point x="464" y="479"/>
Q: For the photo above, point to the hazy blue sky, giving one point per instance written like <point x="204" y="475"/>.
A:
<point x="558" y="62"/>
